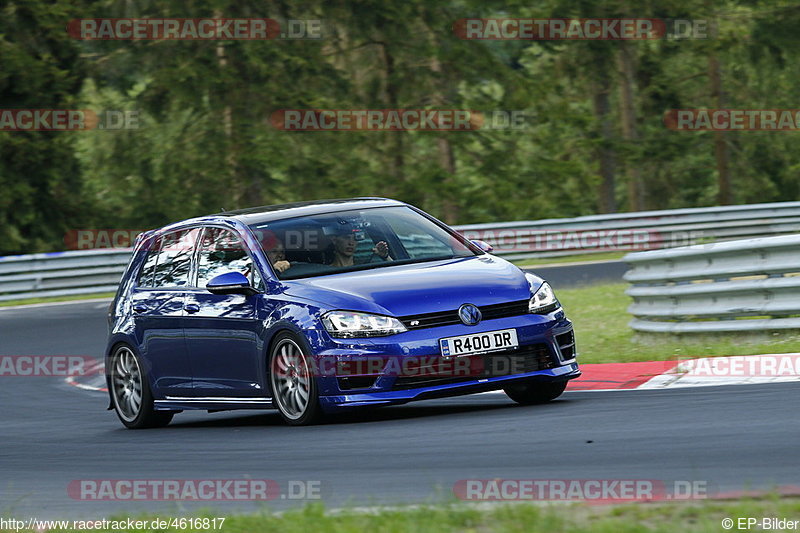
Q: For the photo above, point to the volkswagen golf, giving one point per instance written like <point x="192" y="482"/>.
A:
<point x="317" y="307"/>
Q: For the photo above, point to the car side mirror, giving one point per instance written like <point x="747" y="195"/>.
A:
<point x="230" y="283"/>
<point x="483" y="245"/>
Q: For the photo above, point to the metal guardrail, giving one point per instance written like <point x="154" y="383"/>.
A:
<point x="61" y="273"/>
<point x="744" y="285"/>
<point x="95" y="271"/>
<point x="657" y="229"/>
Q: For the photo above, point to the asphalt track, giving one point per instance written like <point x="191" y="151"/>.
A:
<point x="577" y="274"/>
<point x="733" y="438"/>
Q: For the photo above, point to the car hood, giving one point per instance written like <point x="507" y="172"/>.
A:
<point x="429" y="287"/>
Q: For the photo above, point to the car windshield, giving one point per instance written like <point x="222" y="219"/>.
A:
<point x="344" y="241"/>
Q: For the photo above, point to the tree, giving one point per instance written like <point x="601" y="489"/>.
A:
<point x="40" y="182"/>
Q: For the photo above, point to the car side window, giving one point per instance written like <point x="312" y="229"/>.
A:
<point x="169" y="261"/>
<point x="222" y="251"/>
<point x="145" y="278"/>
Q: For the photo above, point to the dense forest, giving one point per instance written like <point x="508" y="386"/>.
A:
<point x="594" y="140"/>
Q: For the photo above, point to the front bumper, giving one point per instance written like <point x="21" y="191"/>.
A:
<point x="540" y="334"/>
<point x="361" y="399"/>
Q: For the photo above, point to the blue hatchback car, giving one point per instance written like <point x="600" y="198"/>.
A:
<point x="316" y="307"/>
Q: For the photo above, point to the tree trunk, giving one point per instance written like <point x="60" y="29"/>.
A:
<point x="607" y="202"/>
<point x="721" y="153"/>
<point x="227" y="126"/>
<point x="394" y="140"/>
<point x="447" y="158"/>
<point x="636" y="186"/>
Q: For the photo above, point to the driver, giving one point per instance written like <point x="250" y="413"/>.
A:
<point x="344" y="248"/>
<point x="277" y="256"/>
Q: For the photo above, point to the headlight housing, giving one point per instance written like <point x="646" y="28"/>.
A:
<point x="543" y="300"/>
<point x="349" y="324"/>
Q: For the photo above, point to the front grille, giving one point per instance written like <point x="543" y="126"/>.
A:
<point x="566" y="342"/>
<point x="472" y="367"/>
<point x="448" y="318"/>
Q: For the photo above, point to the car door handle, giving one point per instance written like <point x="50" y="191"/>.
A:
<point x="139" y="308"/>
<point x="191" y="308"/>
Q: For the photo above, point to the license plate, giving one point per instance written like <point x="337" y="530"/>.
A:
<point x="491" y="341"/>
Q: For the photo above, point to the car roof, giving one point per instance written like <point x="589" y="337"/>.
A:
<point x="268" y="213"/>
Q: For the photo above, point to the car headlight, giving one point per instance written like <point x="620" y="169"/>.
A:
<point x="543" y="300"/>
<point x="348" y="324"/>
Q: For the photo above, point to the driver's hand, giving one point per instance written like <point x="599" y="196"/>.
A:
<point x="381" y="249"/>
<point x="282" y="266"/>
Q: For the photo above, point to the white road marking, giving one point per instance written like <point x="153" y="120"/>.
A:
<point x="53" y="304"/>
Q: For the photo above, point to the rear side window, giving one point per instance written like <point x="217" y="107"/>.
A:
<point x="169" y="263"/>
<point x="222" y="251"/>
<point x="146" y="274"/>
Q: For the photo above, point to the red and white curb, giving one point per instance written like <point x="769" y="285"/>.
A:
<point x="651" y="375"/>
<point x="93" y="380"/>
<point x="701" y="372"/>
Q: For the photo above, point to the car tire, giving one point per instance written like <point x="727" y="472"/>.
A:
<point x="130" y="392"/>
<point x="535" y="392"/>
<point x="292" y="383"/>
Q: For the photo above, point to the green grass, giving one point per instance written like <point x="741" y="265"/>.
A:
<point x="600" y="315"/>
<point x="580" y="258"/>
<point x="691" y="517"/>
<point x="53" y="299"/>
